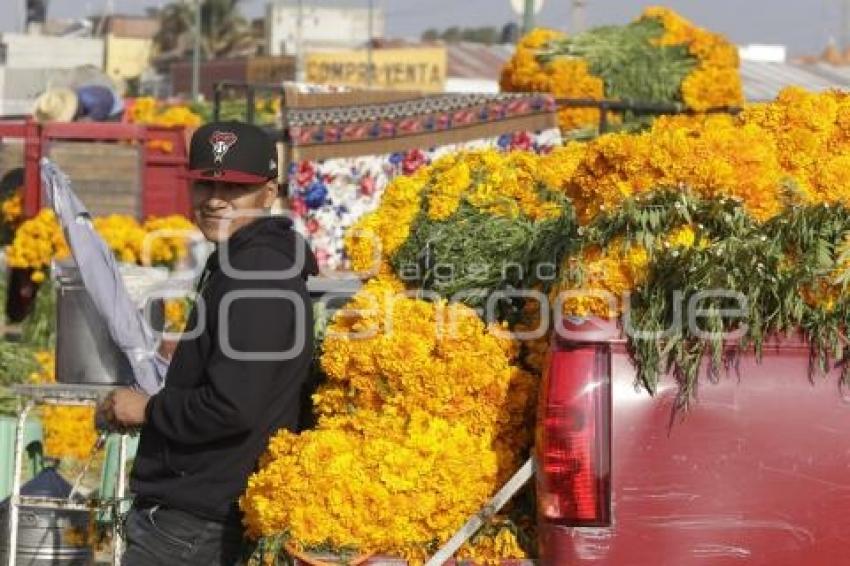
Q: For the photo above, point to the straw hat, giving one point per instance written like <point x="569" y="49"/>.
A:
<point x="56" y="105"/>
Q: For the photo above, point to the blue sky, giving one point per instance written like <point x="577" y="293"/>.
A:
<point x="803" y="25"/>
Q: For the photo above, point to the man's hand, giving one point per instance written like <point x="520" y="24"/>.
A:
<point x="124" y="409"/>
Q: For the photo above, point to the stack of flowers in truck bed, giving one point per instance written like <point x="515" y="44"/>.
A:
<point x="428" y="404"/>
<point x="659" y="58"/>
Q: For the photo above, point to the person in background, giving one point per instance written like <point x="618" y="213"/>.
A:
<point x="87" y="103"/>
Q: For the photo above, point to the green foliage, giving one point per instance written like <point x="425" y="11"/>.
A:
<point x="236" y="109"/>
<point x="474" y="250"/>
<point x="768" y="265"/>
<point x="17" y="362"/>
<point x="485" y="34"/>
<point x="626" y="59"/>
<point x="39" y="328"/>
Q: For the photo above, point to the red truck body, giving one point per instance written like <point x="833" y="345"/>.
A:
<point x="756" y="471"/>
<point x="164" y="190"/>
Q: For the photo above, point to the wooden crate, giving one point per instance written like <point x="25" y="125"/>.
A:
<point x="107" y="177"/>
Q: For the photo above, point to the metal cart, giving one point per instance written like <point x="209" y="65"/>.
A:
<point x="60" y="394"/>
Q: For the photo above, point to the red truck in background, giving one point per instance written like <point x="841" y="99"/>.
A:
<point x="755" y="471"/>
<point x="162" y="190"/>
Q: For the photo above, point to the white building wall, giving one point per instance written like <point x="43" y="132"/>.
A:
<point x="20" y="87"/>
<point x="322" y="27"/>
<point x="39" y="51"/>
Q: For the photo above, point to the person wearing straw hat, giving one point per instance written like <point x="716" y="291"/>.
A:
<point x="94" y="103"/>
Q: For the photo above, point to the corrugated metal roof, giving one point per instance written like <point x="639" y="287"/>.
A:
<point x="477" y="60"/>
<point x="763" y="81"/>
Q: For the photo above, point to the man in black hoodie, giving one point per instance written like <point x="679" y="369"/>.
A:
<point x="237" y="375"/>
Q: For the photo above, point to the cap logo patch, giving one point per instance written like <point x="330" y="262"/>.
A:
<point x="221" y="142"/>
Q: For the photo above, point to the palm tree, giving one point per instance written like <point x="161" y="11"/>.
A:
<point x="224" y="31"/>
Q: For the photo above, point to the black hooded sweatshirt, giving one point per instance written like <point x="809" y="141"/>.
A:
<point x="206" y="429"/>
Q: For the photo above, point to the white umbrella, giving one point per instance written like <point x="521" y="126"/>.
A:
<point x="102" y="279"/>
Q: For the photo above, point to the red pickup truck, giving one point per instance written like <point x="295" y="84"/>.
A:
<point x="755" y="471"/>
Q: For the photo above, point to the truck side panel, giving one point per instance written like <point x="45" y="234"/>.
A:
<point x="756" y="471"/>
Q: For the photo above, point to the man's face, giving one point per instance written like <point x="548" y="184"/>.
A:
<point x="222" y="208"/>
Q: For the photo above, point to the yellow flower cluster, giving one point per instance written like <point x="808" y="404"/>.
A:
<point x="563" y="77"/>
<point x="438" y="357"/>
<point x="607" y="276"/>
<point x="491" y="549"/>
<point x="123" y="235"/>
<point x="812" y="136"/>
<point x="176" y="315"/>
<point x="37" y="241"/>
<point x="267" y="110"/>
<point x="46" y="360"/>
<point x="716" y="81"/>
<point x="148" y="110"/>
<point x="12" y="209"/>
<point x="610" y="274"/>
<point x="498" y="183"/>
<point x="168" y="238"/>
<point x="424" y="415"/>
<point x="802" y="137"/>
<point x="384" y="483"/>
<point x="724" y="157"/>
<point x="377" y="235"/>
<point x="523" y="71"/>
<point x="68" y="431"/>
<point x="40" y="240"/>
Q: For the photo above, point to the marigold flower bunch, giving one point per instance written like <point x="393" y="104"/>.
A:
<point x="615" y="270"/>
<point x="176" y="314"/>
<point x="400" y="368"/>
<point x="68" y="431"/>
<point x="36" y="243"/>
<point x="564" y="78"/>
<point x="167" y="239"/>
<point x="716" y="82"/>
<point x="12" y="209"/>
<point x="147" y="110"/>
<point x="589" y="66"/>
<point x="123" y="235"/>
<point x="40" y="240"/>
<point x="511" y="185"/>
<point x="424" y="415"/>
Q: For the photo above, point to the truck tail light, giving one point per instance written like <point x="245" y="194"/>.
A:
<point x="574" y="437"/>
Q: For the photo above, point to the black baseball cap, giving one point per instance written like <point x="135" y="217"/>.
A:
<point x="232" y="152"/>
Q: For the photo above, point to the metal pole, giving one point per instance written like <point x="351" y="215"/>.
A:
<point x="578" y="16"/>
<point x="369" y="62"/>
<point x="299" y="48"/>
<point x="120" y="492"/>
<point x="23" y="7"/>
<point x="519" y="479"/>
<point x="528" y="17"/>
<point x="15" y="498"/>
<point x="196" y="52"/>
<point x="250" y="100"/>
